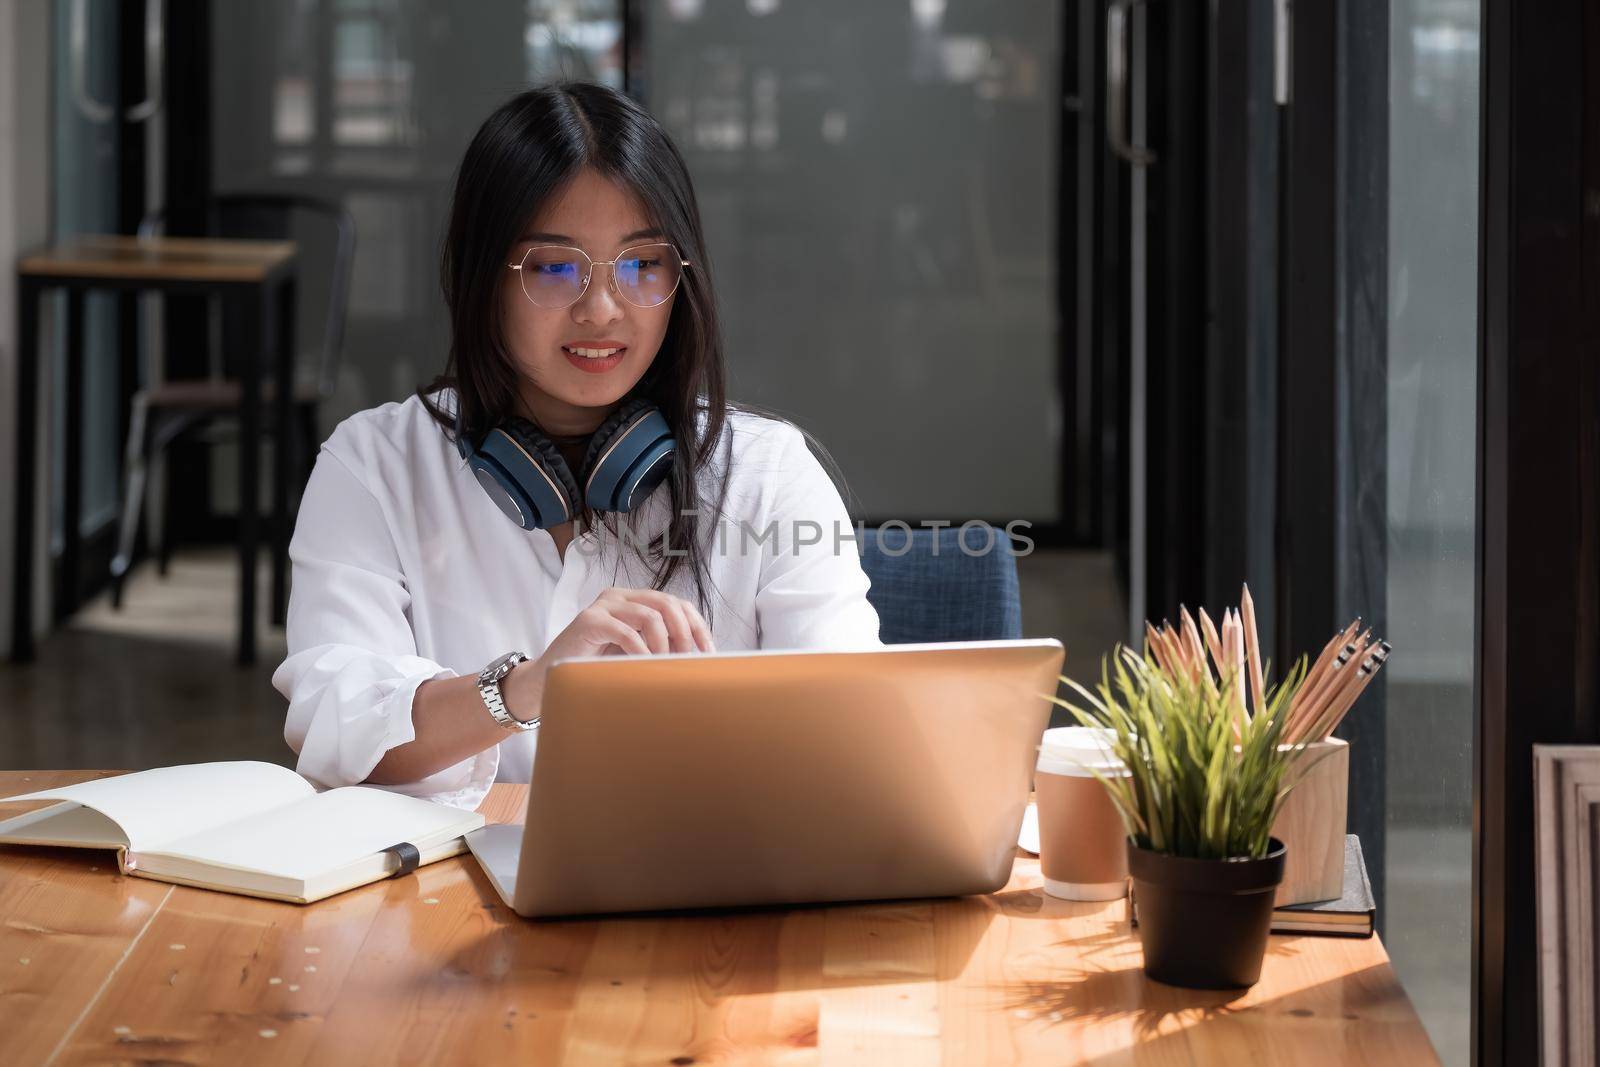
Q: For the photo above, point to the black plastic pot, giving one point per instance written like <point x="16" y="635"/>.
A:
<point x="1204" y="923"/>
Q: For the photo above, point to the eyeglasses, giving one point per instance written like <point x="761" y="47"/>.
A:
<point x="556" y="276"/>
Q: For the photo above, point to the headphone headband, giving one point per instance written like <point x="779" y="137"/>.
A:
<point x="526" y="476"/>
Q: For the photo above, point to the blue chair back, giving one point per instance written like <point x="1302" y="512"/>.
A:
<point x="931" y="590"/>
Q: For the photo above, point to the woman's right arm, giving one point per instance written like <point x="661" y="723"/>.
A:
<point x="353" y="669"/>
<point x="364" y="706"/>
<point x="451" y="721"/>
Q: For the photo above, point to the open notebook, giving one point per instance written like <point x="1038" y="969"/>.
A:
<point x="251" y="828"/>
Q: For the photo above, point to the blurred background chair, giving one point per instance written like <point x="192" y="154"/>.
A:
<point x="926" y="588"/>
<point x="165" y="411"/>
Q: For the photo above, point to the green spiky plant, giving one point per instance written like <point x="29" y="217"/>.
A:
<point x="1206" y="777"/>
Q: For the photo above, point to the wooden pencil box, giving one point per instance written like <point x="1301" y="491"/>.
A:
<point x="1311" y="825"/>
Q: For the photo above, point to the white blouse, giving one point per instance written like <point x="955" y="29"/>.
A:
<point x="405" y="571"/>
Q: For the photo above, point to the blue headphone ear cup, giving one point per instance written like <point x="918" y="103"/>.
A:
<point x="648" y="471"/>
<point x="536" y="481"/>
<point x="631" y="454"/>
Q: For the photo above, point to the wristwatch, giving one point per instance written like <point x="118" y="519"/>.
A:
<point x="489" y="680"/>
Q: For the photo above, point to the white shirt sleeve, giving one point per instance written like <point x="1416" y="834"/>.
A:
<point x="353" y="668"/>
<point x="813" y="592"/>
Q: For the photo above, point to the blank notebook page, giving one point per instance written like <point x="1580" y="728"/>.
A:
<point x="156" y="807"/>
<point x="321" y="833"/>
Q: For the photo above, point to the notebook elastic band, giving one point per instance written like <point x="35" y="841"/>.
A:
<point x="408" y="856"/>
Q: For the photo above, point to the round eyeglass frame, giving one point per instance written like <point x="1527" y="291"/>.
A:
<point x="588" y="275"/>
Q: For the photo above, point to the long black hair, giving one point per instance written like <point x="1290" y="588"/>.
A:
<point x="525" y="152"/>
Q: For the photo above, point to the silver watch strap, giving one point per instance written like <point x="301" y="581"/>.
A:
<point x="494" y="700"/>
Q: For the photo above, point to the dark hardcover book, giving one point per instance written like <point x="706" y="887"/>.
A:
<point x="1352" y="915"/>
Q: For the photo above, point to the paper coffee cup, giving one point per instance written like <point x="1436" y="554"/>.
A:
<point x="1082" y="842"/>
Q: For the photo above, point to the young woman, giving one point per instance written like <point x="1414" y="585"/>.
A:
<point x="575" y="484"/>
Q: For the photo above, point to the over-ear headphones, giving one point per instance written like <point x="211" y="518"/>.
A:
<point x="522" y="470"/>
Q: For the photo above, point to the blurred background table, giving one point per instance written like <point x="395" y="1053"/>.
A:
<point x="256" y="281"/>
<point x="432" y="967"/>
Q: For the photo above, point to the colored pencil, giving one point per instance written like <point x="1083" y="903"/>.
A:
<point x="1252" y="640"/>
<point x="1213" y="640"/>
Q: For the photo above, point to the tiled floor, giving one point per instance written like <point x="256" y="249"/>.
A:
<point x="153" y="684"/>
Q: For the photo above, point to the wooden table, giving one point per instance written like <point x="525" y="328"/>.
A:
<point x="256" y="282"/>
<point x="98" y="967"/>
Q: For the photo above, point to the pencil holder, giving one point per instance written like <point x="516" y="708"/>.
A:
<point x="1311" y="824"/>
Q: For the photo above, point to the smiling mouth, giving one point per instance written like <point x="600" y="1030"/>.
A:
<point x="593" y="353"/>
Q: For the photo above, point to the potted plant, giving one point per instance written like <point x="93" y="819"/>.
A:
<point x="1207" y="769"/>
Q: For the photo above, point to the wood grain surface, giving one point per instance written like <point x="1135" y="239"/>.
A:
<point x="158" y="258"/>
<point x="96" y="967"/>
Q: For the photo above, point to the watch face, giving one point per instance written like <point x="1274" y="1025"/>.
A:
<point x="500" y="667"/>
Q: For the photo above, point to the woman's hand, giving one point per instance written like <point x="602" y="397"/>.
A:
<point x="632" y="622"/>
<point x="619" y="622"/>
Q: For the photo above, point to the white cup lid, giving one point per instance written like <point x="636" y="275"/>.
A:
<point x="1078" y="750"/>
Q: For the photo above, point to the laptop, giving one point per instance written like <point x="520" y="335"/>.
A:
<point x="771" y="777"/>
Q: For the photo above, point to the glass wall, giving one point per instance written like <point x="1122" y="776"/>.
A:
<point x="84" y="174"/>
<point x="370" y="103"/>
<point x="1432" y="396"/>
<point x="878" y="184"/>
<point x="880" y="191"/>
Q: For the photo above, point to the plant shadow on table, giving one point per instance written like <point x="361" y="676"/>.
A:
<point x="813" y="946"/>
<point x="1366" y="1009"/>
<point x="1099" y="996"/>
<point x="1104" y="986"/>
<point x="1106" y="982"/>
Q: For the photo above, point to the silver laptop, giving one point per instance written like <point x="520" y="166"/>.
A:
<point x="776" y="777"/>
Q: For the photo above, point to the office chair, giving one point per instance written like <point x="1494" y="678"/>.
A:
<point x="948" y="596"/>
<point x="164" y="411"/>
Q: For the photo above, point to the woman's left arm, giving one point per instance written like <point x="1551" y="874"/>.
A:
<point x="813" y="592"/>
